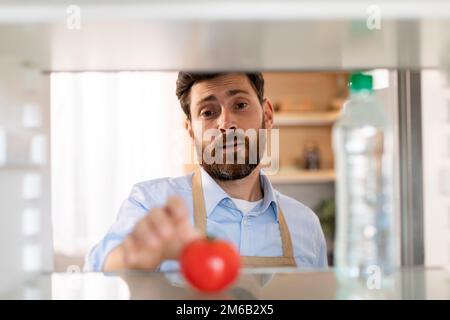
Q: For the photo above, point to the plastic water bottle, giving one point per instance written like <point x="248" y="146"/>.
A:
<point x="362" y="143"/>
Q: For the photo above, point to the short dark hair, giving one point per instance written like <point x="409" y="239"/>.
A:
<point x="186" y="80"/>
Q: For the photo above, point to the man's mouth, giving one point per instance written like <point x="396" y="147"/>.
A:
<point x="231" y="145"/>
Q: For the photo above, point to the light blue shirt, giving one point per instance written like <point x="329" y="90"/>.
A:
<point x="254" y="234"/>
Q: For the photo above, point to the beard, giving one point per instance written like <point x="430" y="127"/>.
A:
<point x="227" y="172"/>
<point x="234" y="171"/>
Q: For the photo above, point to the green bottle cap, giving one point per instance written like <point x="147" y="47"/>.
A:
<point x="360" y="82"/>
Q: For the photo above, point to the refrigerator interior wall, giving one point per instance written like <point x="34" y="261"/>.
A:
<point x="25" y="235"/>
<point x="436" y="167"/>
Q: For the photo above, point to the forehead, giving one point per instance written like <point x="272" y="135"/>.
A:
<point x="220" y="85"/>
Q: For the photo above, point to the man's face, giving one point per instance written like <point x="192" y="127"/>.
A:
<point x="228" y="105"/>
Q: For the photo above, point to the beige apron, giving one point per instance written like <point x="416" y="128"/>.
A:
<point x="200" y="222"/>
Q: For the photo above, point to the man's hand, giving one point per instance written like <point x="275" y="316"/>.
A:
<point x="160" y="235"/>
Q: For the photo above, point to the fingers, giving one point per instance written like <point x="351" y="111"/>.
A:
<point x="143" y="234"/>
<point x="161" y="224"/>
<point x="160" y="235"/>
<point x="188" y="233"/>
<point x="136" y="258"/>
<point x="177" y="208"/>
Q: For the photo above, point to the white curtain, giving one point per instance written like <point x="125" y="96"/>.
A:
<point x="109" y="131"/>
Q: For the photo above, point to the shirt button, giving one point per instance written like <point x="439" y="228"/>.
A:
<point x="245" y="221"/>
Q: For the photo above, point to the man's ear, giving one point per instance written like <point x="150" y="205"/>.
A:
<point x="188" y="127"/>
<point x="268" y="113"/>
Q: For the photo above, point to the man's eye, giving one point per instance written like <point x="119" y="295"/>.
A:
<point x="241" y="105"/>
<point x="207" y="113"/>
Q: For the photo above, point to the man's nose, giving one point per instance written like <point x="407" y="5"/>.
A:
<point x="226" y="121"/>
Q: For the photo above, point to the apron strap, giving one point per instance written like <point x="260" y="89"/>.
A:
<point x="199" y="202"/>
<point x="286" y="241"/>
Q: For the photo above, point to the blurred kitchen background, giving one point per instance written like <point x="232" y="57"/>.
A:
<point x="111" y="130"/>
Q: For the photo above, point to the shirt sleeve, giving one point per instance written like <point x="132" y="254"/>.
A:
<point x="322" y="256"/>
<point x="130" y="212"/>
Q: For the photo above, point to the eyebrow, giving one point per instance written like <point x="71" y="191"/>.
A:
<point x="234" y="92"/>
<point x="230" y="93"/>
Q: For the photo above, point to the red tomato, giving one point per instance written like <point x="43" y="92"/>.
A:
<point x="210" y="265"/>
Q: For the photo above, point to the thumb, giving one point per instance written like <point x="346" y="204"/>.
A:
<point x="188" y="232"/>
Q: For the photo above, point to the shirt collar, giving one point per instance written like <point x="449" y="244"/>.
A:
<point x="214" y="194"/>
<point x="270" y="198"/>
